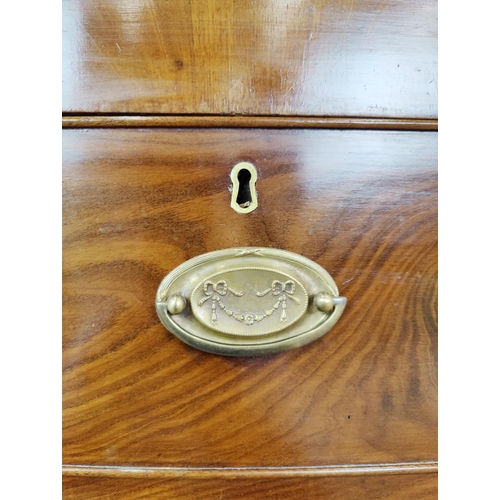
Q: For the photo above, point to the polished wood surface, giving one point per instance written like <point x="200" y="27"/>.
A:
<point x="312" y="58"/>
<point x="139" y="202"/>
<point x="214" y="121"/>
<point x="396" y="487"/>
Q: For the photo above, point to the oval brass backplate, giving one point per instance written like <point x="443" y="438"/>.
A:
<point x="248" y="301"/>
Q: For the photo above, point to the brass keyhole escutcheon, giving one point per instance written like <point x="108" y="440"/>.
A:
<point x="243" y="191"/>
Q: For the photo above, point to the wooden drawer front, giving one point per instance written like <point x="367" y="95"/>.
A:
<point x="137" y="203"/>
<point x="393" y="487"/>
<point x="314" y="58"/>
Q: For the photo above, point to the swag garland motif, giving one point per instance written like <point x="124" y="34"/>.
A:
<point x="216" y="291"/>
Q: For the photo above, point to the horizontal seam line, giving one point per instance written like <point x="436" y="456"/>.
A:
<point x="200" y="472"/>
<point x="243" y="115"/>
<point x="247" y="121"/>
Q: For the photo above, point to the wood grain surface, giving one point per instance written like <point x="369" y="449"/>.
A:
<point x="314" y="57"/>
<point x="139" y="202"/>
<point x="415" y="487"/>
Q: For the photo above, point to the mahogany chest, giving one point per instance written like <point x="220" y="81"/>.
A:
<point x="335" y="103"/>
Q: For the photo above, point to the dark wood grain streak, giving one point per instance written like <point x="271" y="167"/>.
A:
<point x="250" y="472"/>
<point x="319" y="57"/>
<point x="249" y="122"/>
<point x="392" y="487"/>
<point x="139" y="202"/>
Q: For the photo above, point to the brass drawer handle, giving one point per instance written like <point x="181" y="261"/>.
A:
<point x="248" y="301"/>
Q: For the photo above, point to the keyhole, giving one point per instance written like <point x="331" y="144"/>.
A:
<point x="244" y="197"/>
<point x="243" y="192"/>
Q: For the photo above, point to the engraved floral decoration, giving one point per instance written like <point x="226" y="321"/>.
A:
<point x="215" y="291"/>
<point x="281" y="290"/>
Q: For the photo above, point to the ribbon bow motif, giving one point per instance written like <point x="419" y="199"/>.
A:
<point x="287" y="287"/>
<point x="284" y="291"/>
<point x="210" y="288"/>
<point x="215" y="291"/>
